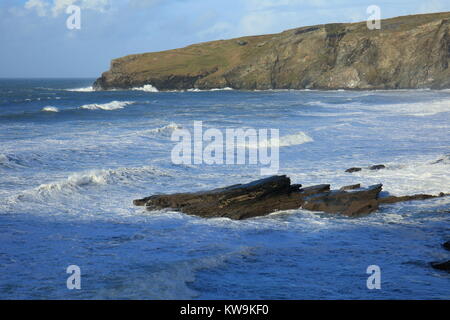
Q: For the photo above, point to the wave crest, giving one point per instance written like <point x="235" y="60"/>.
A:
<point x="284" y="141"/>
<point x="101" y="177"/>
<point x="85" y="89"/>
<point x="146" y="88"/>
<point x="113" y="105"/>
<point x="166" y="129"/>
<point x="50" y="109"/>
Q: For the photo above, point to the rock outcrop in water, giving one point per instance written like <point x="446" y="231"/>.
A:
<point x="261" y="197"/>
<point x="374" y="167"/>
<point x="445" y="265"/>
<point x="407" y="52"/>
<point x="447" y="245"/>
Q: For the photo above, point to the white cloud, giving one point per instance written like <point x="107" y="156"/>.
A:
<point x="60" y="6"/>
<point x="38" y="5"/>
<point x="42" y="7"/>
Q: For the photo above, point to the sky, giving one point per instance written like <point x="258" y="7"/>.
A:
<point x="36" y="42"/>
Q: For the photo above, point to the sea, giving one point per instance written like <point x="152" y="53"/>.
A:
<point x="72" y="160"/>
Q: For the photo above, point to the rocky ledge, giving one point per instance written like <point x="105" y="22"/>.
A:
<point x="407" y="52"/>
<point x="262" y="197"/>
<point x="445" y="265"/>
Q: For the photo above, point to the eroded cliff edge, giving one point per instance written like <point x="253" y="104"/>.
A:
<point x="407" y="52"/>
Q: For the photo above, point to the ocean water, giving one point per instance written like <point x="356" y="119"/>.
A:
<point x="72" y="160"/>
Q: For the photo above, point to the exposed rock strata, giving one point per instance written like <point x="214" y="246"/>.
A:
<point x="261" y="197"/>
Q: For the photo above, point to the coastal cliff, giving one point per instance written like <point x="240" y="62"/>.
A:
<point x="407" y="52"/>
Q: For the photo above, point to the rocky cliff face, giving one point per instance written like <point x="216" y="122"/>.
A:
<point x="407" y="52"/>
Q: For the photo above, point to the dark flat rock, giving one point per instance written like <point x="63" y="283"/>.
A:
<point x="238" y="202"/>
<point x="394" y="199"/>
<point x="314" y="189"/>
<point x="351" y="203"/>
<point x="350" y="187"/>
<point x="264" y="196"/>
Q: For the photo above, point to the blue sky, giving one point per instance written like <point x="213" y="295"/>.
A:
<point x="36" y="42"/>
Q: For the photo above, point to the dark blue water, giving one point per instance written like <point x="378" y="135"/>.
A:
<point x="72" y="160"/>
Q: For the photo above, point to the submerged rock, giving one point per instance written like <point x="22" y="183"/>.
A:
<point x="377" y="167"/>
<point x="447" y="245"/>
<point x="261" y="197"/>
<point x="441" y="265"/>
<point x="353" y="169"/>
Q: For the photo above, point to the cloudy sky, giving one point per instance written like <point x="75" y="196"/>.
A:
<point x="35" y="41"/>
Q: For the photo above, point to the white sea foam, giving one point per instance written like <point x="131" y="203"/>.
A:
<point x="167" y="128"/>
<point x="206" y="90"/>
<point x="285" y="141"/>
<point x="410" y="176"/>
<point x="163" y="130"/>
<point x="295" y="139"/>
<point x="317" y="103"/>
<point x="113" y="105"/>
<point x="109" y="176"/>
<point x="77" y="182"/>
<point x="146" y="88"/>
<point x="85" y="89"/>
<point x="418" y="109"/>
<point x="50" y="109"/>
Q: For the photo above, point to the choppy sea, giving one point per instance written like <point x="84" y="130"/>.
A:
<point x="72" y="160"/>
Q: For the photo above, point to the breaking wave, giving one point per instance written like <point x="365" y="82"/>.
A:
<point x="284" y="141"/>
<point x="113" y="105"/>
<point x="295" y="139"/>
<point x="206" y="90"/>
<point x="85" y="89"/>
<point x="165" y="129"/>
<point x="146" y="88"/>
<point x="50" y="109"/>
<point x="80" y="182"/>
<point x="102" y="177"/>
<point x="423" y="109"/>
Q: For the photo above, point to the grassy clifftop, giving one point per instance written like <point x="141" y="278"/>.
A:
<point x="407" y="52"/>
